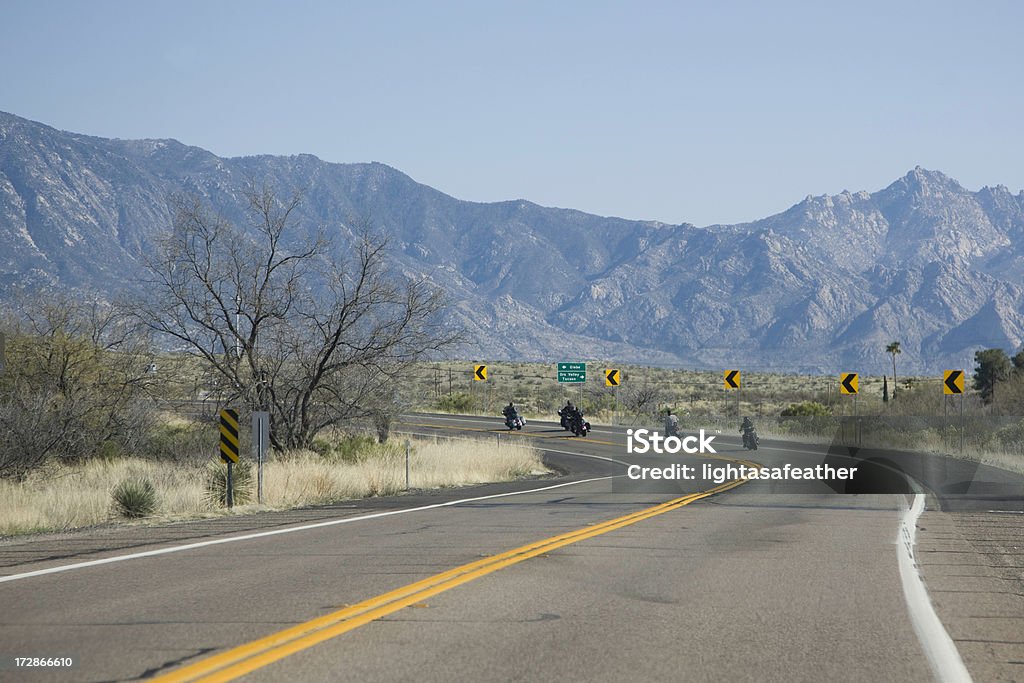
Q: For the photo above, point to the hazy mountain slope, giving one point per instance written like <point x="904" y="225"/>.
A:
<point x="823" y="285"/>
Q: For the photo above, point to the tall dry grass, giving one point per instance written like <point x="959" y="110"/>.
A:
<point x="63" y="497"/>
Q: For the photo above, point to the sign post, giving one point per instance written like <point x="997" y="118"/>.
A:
<point x="229" y="447"/>
<point x="612" y="378"/>
<point x="953" y="384"/>
<point x="260" y="444"/>
<point x="849" y="384"/>
<point x="731" y="380"/>
<point x="572" y="373"/>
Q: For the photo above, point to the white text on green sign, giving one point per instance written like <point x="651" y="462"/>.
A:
<point x="572" y="372"/>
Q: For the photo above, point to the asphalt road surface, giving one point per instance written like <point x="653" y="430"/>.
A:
<point x="584" y="576"/>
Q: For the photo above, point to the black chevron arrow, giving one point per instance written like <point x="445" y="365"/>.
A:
<point x="848" y="383"/>
<point x="480" y="372"/>
<point x="952" y="382"/>
<point x="731" y="379"/>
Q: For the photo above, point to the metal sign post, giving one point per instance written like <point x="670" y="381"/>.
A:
<point x="952" y="385"/>
<point x="961" y="423"/>
<point x="407" y="445"/>
<point x="260" y="445"/>
<point x="229" y="495"/>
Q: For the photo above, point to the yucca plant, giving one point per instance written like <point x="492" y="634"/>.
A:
<point x="134" y="497"/>
<point x="217" y="483"/>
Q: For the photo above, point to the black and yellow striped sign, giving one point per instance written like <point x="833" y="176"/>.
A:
<point x="229" y="435"/>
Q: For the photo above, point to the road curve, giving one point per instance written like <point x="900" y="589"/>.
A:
<point x="581" y="577"/>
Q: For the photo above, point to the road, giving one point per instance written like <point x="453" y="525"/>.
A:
<point x="582" y="577"/>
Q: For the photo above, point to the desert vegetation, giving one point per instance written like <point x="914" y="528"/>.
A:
<point x="914" y="415"/>
<point x="67" y="495"/>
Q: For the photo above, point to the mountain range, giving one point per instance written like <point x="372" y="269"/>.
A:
<point x="821" y="287"/>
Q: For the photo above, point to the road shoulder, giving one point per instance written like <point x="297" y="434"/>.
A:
<point x="973" y="565"/>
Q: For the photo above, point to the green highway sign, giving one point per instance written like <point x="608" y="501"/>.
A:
<point x="572" y="373"/>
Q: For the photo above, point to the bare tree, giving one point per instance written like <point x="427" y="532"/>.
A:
<point x="284" y="324"/>
<point x="642" y="399"/>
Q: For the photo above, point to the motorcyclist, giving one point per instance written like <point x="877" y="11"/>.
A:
<point x="748" y="432"/>
<point x="510" y="411"/>
<point x="671" y="423"/>
<point x="567" y="413"/>
<point x="576" y="421"/>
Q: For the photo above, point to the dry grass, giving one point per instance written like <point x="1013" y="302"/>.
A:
<point x="304" y="477"/>
<point x="71" y="496"/>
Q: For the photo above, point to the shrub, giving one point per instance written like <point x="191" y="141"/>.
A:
<point x="456" y="403"/>
<point x="178" y="440"/>
<point x="217" y="483"/>
<point x="1011" y="437"/>
<point x="134" y="497"/>
<point x="806" y="409"/>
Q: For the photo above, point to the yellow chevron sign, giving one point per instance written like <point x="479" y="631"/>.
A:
<point x="229" y="435"/>
<point x="732" y="379"/>
<point x="953" y="382"/>
<point x="611" y="377"/>
<point x="848" y="383"/>
<point x="479" y="373"/>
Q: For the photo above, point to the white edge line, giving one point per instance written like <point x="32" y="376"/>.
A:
<point x="264" y="534"/>
<point x="938" y="646"/>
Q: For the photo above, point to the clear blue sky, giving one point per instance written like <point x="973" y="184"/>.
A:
<point x="698" y="112"/>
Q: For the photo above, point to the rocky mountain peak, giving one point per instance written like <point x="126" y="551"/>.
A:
<point x="923" y="260"/>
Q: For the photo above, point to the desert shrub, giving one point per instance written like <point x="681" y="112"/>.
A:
<point x="1011" y="437"/>
<point x="180" y="441"/>
<point x="73" y="388"/>
<point x="806" y="409"/>
<point x="352" y="448"/>
<point x="134" y="497"/>
<point x="456" y="403"/>
<point x="242" y="481"/>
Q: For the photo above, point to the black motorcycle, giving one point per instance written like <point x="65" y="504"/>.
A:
<point x="579" y="426"/>
<point x="564" y="419"/>
<point x="514" y="421"/>
<point x="750" y="439"/>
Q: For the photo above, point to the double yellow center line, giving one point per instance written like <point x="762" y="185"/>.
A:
<point x="243" y="659"/>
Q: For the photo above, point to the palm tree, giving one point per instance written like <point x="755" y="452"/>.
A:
<point x="893" y="349"/>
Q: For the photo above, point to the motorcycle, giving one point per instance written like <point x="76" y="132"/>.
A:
<point x="564" y="419"/>
<point x="579" y="426"/>
<point x="514" y="422"/>
<point x="750" y="439"/>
